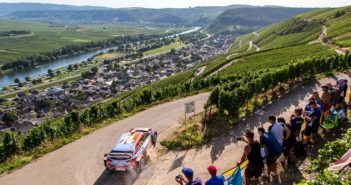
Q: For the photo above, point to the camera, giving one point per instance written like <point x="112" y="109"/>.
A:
<point x="178" y="177"/>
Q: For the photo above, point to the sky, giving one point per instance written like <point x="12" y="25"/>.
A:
<point x="191" y="3"/>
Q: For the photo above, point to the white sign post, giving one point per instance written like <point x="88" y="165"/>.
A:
<point x="189" y="108"/>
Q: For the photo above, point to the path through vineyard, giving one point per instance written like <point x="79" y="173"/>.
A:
<point x="325" y="40"/>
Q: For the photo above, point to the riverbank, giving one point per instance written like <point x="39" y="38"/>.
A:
<point x="7" y="78"/>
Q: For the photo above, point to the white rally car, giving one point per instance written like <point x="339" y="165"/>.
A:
<point x="131" y="150"/>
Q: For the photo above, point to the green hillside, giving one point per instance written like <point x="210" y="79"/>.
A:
<point x="245" y="20"/>
<point x="290" y="40"/>
<point x="307" y="27"/>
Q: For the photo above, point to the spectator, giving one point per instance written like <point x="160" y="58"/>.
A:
<point x="273" y="149"/>
<point x="339" y="112"/>
<point x="326" y="98"/>
<point x="317" y="99"/>
<point x="252" y="152"/>
<point x="341" y="86"/>
<point x="214" y="180"/>
<point x="189" y="175"/>
<point x="296" y="122"/>
<point x="278" y="130"/>
<point x="333" y="94"/>
<point x="313" y="120"/>
<point x="288" y="143"/>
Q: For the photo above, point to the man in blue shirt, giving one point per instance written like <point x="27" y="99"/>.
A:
<point x="214" y="180"/>
<point x="274" y="149"/>
<point x="189" y="175"/>
<point x="313" y="120"/>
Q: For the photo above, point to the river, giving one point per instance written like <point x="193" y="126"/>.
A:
<point x="8" y="79"/>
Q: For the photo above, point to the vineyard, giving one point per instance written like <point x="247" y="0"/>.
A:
<point x="331" y="152"/>
<point x="230" y="93"/>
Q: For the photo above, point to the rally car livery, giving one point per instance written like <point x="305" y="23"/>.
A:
<point x="131" y="150"/>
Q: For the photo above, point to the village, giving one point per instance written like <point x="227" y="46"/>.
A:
<point x="107" y="80"/>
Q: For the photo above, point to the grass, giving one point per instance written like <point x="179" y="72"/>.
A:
<point x="339" y="27"/>
<point x="107" y="56"/>
<point x="276" y="58"/>
<point x="190" y="136"/>
<point x="195" y="132"/>
<point x="47" y="38"/>
<point x="164" y="49"/>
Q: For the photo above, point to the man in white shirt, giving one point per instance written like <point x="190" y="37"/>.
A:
<point x="278" y="130"/>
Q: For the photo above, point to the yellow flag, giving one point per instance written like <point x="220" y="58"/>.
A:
<point x="347" y="97"/>
<point x="303" y="126"/>
<point x="226" y="112"/>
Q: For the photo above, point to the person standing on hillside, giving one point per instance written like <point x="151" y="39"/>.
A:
<point x="274" y="150"/>
<point x="214" y="180"/>
<point x="288" y="143"/>
<point x="317" y="99"/>
<point x="296" y="121"/>
<point x="278" y="130"/>
<point x="312" y="122"/>
<point x="252" y="152"/>
<point x="326" y="98"/>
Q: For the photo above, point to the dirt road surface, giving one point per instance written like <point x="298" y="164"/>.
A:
<point x="81" y="162"/>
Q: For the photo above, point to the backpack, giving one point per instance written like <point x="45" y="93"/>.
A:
<point x="299" y="149"/>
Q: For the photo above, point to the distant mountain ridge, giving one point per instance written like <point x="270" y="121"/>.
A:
<point x="245" y="20"/>
<point x="89" y="14"/>
<point x="233" y="19"/>
<point x="8" y="8"/>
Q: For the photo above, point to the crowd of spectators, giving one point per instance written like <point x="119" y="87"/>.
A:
<point x="283" y="139"/>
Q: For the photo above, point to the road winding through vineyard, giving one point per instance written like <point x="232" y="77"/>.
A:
<point x="81" y="162"/>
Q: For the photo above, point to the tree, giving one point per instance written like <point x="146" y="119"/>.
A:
<point x="58" y="72"/>
<point x="17" y="80"/>
<point x="70" y="68"/>
<point x="76" y="66"/>
<point x="51" y="73"/>
<point x="8" y="147"/>
<point x="94" y="70"/>
<point x="27" y="78"/>
<point x="10" y="117"/>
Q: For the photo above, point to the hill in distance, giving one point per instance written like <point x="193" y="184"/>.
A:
<point x="240" y="18"/>
<point x="7" y="8"/>
<point x="330" y="27"/>
<point x="249" y="19"/>
<point x="89" y="15"/>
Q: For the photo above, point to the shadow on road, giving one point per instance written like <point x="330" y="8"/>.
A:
<point x="177" y="162"/>
<point x="117" y="178"/>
